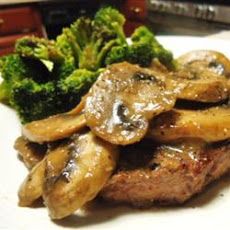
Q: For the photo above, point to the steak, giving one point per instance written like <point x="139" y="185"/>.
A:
<point x="166" y="174"/>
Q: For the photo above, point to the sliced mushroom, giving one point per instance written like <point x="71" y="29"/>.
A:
<point x="32" y="187"/>
<point x="55" y="127"/>
<point x="80" y="107"/>
<point x="210" y="125"/>
<point x="124" y="99"/>
<point x="205" y="75"/>
<point x="213" y="61"/>
<point x="90" y="163"/>
<point x="208" y="90"/>
<point x="31" y="153"/>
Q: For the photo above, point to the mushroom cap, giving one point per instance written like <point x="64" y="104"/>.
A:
<point x="123" y="100"/>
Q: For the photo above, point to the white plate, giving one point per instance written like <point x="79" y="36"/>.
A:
<point x="209" y="210"/>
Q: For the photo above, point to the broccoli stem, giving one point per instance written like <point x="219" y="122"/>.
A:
<point x="77" y="52"/>
<point x="120" y="33"/>
<point x="104" y="51"/>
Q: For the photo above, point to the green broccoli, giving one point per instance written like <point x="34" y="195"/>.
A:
<point x="113" y="20"/>
<point x="58" y="52"/>
<point x="140" y="53"/>
<point x="142" y="49"/>
<point x="34" y="101"/>
<point x="69" y="65"/>
<point x="15" y="68"/>
<point x="117" y="54"/>
<point x="143" y="35"/>
<point x="71" y="89"/>
<point x="63" y="70"/>
<point x="38" y="48"/>
<point x="12" y="69"/>
<point x="64" y="46"/>
<point x="89" y="42"/>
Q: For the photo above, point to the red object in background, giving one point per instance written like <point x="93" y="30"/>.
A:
<point x="135" y="13"/>
<point x="18" y="22"/>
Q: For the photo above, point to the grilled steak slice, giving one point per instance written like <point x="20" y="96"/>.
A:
<point x="166" y="174"/>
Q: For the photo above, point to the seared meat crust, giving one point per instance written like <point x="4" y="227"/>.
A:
<point x="168" y="174"/>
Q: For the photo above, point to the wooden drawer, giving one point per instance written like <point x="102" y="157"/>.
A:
<point x="16" y="23"/>
<point x="6" y="50"/>
<point x="134" y="10"/>
<point x="18" y="20"/>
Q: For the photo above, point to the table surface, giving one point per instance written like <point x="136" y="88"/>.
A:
<point x="225" y="34"/>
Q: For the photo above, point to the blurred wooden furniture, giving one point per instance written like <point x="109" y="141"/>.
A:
<point x="135" y="12"/>
<point x="17" y="22"/>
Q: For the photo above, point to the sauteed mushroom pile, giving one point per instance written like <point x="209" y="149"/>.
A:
<point x="73" y="157"/>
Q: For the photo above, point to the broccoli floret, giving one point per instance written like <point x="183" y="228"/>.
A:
<point x="64" y="69"/>
<point x="64" y="46"/>
<point x="34" y="101"/>
<point x="142" y="49"/>
<point x="15" y="68"/>
<point x="113" y="20"/>
<point x="71" y="89"/>
<point x="136" y="53"/>
<point x="164" y="56"/>
<point x="117" y="54"/>
<point x="143" y="35"/>
<point x="140" y="53"/>
<point x="89" y="42"/>
<point x="38" y="48"/>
